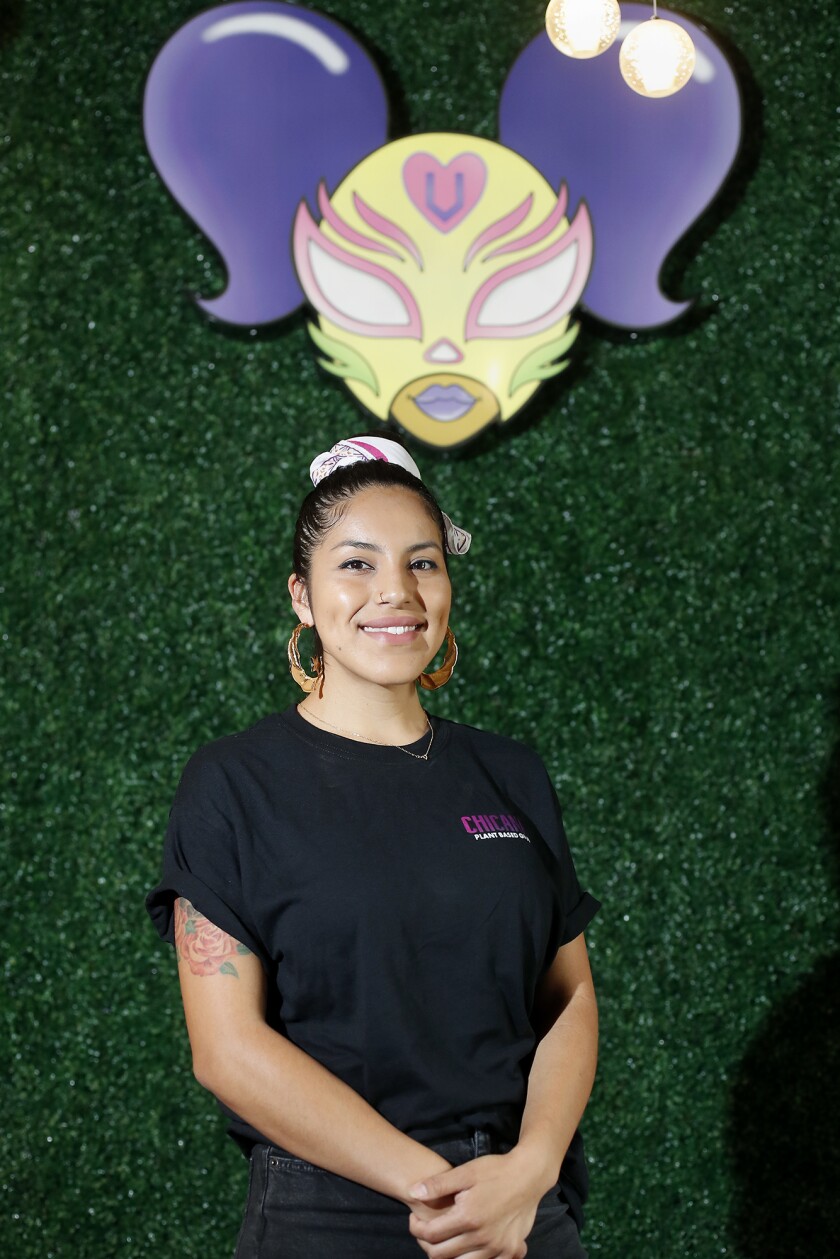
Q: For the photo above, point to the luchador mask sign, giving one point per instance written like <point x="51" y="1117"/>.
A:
<point x="443" y="270"/>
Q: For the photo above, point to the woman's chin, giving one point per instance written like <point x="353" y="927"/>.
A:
<point x="387" y="667"/>
<point x="390" y="675"/>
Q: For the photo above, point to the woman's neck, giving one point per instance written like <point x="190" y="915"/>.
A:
<point x="381" y="714"/>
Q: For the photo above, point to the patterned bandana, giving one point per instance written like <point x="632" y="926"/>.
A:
<point x="365" y="449"/>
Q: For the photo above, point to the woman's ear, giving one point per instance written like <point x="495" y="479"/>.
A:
<point x="300" y="599"/>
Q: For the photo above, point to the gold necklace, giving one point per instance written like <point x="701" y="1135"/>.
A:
<point x="418" y="756"/>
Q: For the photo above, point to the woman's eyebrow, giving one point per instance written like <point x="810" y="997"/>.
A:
<point x="360" y="546"/>
<point x="424" y="546"/>
<point x="371" y="546"/>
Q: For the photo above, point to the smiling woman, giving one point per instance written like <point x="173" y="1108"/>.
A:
<point x="378" y="923"/>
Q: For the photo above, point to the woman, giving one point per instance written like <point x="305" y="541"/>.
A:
<point x="378" y="924"/>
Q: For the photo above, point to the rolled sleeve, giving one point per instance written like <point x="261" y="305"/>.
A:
<point x="579" y="918"/>
<point x="201" y="857"/>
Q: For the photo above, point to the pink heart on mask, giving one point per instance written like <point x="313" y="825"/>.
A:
<point x="445" y="194"/>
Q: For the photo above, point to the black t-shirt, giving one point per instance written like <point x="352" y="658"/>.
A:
<point x="404" y="910"/>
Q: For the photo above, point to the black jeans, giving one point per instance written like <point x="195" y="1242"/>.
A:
<point x="298" y="1211"/>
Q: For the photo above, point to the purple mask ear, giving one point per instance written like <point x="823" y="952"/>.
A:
<point x="247" y="108"/>
<point x="647" y="169"/>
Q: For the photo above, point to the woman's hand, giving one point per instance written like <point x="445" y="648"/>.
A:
<point x="430" y="1209"/>
<point x="483" y="1209"/>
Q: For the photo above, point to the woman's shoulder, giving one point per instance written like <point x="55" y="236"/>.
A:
<point x="221" y="759"/>
<point x="263" y="731"/>
<point x="489" y="745"/>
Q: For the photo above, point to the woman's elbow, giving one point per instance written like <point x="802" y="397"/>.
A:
<point x="224" y="1058"/>
<point x="205" y="1067"/>
<point x="216" y="1059"/>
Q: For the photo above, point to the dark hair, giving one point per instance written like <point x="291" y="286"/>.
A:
<point x="323" y="506"/>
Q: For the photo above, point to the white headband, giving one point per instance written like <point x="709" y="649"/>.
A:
<point x="367" y="449"/>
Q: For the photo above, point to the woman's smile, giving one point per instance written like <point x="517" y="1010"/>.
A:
<point x="393" y="629"/>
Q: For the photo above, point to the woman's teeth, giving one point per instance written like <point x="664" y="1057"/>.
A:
<point x="390" y="629"/>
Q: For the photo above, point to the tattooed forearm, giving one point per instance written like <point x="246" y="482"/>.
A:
<point x="205" y="948"/>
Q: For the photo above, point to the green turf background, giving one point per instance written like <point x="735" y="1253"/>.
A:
<point x="651" y="600"/>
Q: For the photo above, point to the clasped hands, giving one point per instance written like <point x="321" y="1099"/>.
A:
<point x="483" y="1209"/>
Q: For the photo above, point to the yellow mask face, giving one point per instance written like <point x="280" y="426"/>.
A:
<point x="443" y="271"/>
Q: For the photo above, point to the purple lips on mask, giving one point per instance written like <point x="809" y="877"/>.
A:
<point x="445" y="402"/>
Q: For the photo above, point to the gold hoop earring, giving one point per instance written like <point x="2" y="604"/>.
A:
<point x="304" y="681"/>
<point x="433" y="681"/>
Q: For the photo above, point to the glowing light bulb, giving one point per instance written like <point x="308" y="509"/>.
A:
<point x="582" y="28"/>
<point x="657" y="58"/>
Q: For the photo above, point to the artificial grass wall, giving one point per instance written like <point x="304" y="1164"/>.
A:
<point x="651" y="600"/>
